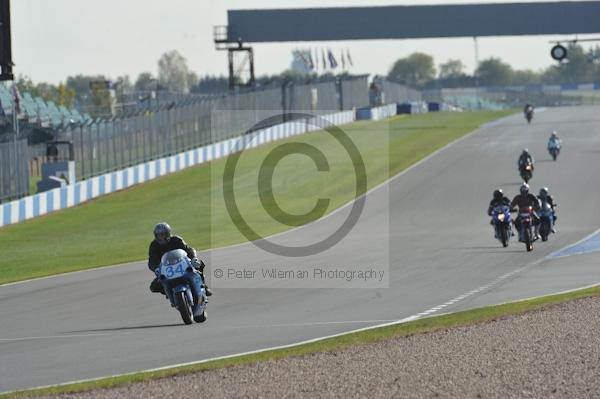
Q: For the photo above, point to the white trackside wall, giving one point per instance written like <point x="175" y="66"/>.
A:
<point x="65" y="197"/>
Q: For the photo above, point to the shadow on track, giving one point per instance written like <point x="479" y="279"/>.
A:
<point x="492" y="249"/>
<point x="505" y="251"/>
<point x="482" y="248"/>
<point x="510" y="184"/>
<point x="125" y="328"/>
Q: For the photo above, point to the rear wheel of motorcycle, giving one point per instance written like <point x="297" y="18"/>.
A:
<point x="185" y="308"/>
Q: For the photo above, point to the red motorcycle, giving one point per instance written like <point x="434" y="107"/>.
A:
<point x="527" y="235"/>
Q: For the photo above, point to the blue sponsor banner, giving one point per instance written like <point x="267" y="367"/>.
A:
<point x="77" y="193"/>
<point x="569" y="86"/>
<point x="7" y="211"/>
<point x="63" y="197"/>
<point x="22" y="210"/>
<point x="36" y="205"/>
<point x="50" y="201"/>
<point x="102" y="185"/>
<point x="89" y="189"/>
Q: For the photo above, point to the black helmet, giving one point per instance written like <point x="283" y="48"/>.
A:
<point x="524" y="189"/>
<point x="162" y="233"/>
<point x="498" y="194"/>
<point x="543" y="192"/>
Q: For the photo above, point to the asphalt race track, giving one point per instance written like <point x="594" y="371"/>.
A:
<point x="443" y="258"/>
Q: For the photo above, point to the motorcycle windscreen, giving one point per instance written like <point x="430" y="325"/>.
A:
<point x="173" y="257"/>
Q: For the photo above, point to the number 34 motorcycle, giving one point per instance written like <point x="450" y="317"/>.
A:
<point x="183" y="286"/>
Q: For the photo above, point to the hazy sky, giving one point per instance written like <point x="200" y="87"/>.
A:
<point x="56" y="38"/>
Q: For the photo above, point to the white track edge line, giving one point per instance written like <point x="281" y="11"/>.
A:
<point x="308" y="341"/>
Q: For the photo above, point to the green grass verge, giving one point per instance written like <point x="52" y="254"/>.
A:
<point x="430" y="324"/>
<point x="117" y="228"/>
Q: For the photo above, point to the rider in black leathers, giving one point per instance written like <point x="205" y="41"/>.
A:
<point x="498" y="200"/>
<point x="524" y="159"/>
<point x="523" y="201"/>
<point x="164" y="242"/>
<point x="527" y="109"/>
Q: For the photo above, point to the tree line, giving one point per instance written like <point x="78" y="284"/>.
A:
<point x="418" y="70"/>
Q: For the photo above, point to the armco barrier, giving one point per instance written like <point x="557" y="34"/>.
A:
<point x="376" y="113"/>
<point x="383" y="112"/>
<point x="65" y="197"/>
<point x="415" y="107"/>
<point x="545" y="88"/>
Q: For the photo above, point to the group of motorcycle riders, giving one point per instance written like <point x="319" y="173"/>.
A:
<point x="525" y="199"/>
<point x="164" y="241"/>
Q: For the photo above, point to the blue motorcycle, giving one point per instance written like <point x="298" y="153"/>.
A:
<point x="546" y="220"/>
<point x="502" y="224"/>
<point x="183" y="286"/>
<point x="554" y="149"/>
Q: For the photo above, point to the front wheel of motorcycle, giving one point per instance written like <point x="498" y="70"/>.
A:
<point x="184" y="307"/>
<point x="201" y="318"/>
<point x="545" y="230"/>
<point x="528" y="242"/>
<point x="504" y="237"/>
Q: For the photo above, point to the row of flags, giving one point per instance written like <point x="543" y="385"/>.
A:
<point x="323" y="60"/>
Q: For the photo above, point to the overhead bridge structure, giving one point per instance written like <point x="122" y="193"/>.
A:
<point x="406" y="22"/>
<point x="413" y="22"/>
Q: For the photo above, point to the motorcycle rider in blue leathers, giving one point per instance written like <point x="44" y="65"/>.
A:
<point x="554" y="141"/>
<point x="545" y="197"/>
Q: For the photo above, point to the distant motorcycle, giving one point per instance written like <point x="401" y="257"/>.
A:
<point x="546" y="219"/>
<point x="502" y="224"/>
<point x="529" y="114"/>
<point x="183" y="286"/>
<point x="527" y="172"/>
<point x="554" y="149"/>
<point x="527" y="235"/>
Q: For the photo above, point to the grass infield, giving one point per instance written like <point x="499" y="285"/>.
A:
<point x="117" y="228"/>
